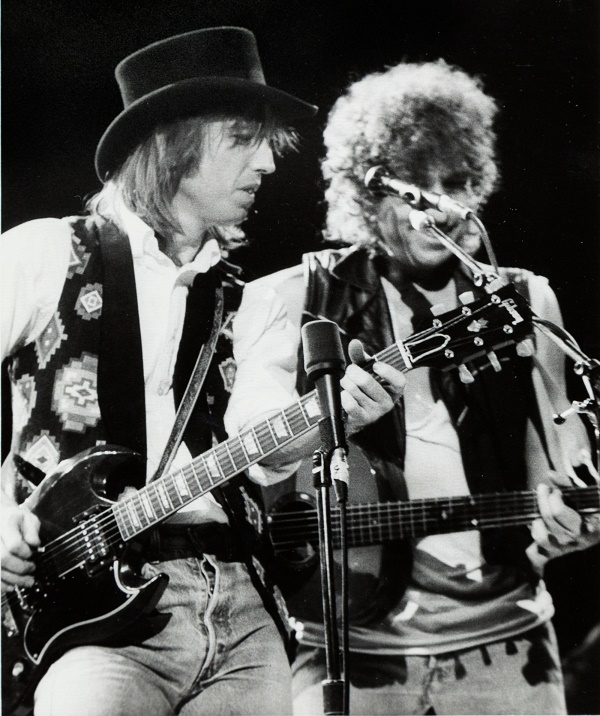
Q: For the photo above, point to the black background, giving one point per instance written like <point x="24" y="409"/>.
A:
<point x="538" y="58"/>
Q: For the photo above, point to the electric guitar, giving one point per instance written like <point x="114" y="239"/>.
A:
<point x="293" y="526"/>
<point x="88" y="586"/>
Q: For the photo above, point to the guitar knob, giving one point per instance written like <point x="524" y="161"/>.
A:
<point x="438" y="308"/>
<point x="525" y="348"/>
<point x="18" y="669"/>
<point x="494" y="362"/>
<point x="466" y="297"/>
<point x="465" y="374"/>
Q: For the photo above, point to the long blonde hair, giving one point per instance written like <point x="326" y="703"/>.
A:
<point x="149" y="178"/>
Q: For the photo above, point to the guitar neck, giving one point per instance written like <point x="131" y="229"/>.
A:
<point x="461" y="335"/>
<point x="381" y="522"/>
<point x="165" y="496"/>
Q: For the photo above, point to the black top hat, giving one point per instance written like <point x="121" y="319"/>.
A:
<point x="185" y="75"/>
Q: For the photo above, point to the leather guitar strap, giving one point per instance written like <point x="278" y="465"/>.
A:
<point x="193" y="388"/>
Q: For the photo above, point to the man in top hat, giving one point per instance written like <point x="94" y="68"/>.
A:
<point x="103" y="319"/>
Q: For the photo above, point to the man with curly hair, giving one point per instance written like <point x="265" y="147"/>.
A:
<point x="452" y="623"/>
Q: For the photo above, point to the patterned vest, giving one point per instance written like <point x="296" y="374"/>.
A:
<point x="81" y="384"/>
<point x="55" y="380"/>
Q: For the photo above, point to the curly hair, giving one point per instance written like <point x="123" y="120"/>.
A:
<point x="412" y="119"/>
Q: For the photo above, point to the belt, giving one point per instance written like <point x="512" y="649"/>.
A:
<point x="182" y="541"/>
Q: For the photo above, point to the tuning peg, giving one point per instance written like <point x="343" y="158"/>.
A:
<point x="494" y="362"/>
<point x="525" y="348"/>
<point x="466" y="297"/>
<point x="465" y="374"/>
<point x="438" y="308"/>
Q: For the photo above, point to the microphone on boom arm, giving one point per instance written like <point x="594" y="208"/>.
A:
<point x="380" y="181"/>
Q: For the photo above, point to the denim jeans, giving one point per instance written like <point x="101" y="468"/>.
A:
<point x="518" y="676"/>
<point x="221" y="653"/>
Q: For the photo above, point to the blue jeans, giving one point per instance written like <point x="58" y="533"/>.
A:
<point x="518" y="676"/>
<point x="221" y="653"/>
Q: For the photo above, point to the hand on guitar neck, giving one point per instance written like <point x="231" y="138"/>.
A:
<point x="365" y="398"/>
<point x="559" y="529"/>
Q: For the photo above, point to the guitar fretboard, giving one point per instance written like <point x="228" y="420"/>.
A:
<point x="166" y="496"/>
<point x="381" y="522"/>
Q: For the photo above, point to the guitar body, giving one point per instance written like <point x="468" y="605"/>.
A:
<point x="88" y="585"/>
<point x="298" y="569"/>
<point x="91" y="604"/>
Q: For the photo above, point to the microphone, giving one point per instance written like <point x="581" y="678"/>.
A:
<point x="324" y="364"/>
<point x="378" y="180"/>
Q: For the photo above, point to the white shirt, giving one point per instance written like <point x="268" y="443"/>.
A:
<point x="35" y="258"/>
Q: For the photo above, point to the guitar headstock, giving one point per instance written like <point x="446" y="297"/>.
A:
<point x="476" y="329"/>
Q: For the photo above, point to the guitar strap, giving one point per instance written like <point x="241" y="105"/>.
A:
<point x="194" y="386"/>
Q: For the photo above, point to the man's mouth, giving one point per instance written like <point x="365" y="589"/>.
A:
<point x="251" y="189"/>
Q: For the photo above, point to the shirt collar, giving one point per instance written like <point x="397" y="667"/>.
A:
<point x="143" y="243"/>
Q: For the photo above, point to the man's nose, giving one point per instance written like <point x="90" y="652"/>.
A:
<point x="262" y="160"/>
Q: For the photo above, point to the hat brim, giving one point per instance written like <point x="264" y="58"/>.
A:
<point x="186" y="98"/>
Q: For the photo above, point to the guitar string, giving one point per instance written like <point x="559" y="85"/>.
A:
<point x="506" y="502"/>
<point x="66" y="543"/>
<point x="52" y="550"/>
<point x="409" y="519"/>
<point x="365" y="534"/>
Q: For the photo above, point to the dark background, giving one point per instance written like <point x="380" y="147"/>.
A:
<point x="538" y="58"/>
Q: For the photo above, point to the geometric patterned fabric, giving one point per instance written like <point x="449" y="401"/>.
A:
<point x="56" y="405"/>
<point x="56" y="412"/>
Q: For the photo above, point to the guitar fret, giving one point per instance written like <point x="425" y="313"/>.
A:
<point x="174" y="495"/>
<point x="214" y="467"/>
<point x="270" y="427"/>
<point x="243" y="449"/>
<point x="146" y="504"/>
<point x="250" y="445"/>
<point x="156" y="502"/>
<point x="230" y="456"/>
<point x="207" y="471"/>
<point x="164" y="496"/>
<point x="267" y="438"/>
<point x="280" y="426"/>
<point x="256" y="436"/>
<point x="288" y="427"/>
<point x="190" y="472"/>
<point x="181" y="485"/>
<point x="124" y="520"/>
<point x="395" y="359"/>
<point x="304" y="414"/>
<point x="132" y="514"/>
<point x="139" y="511"/>
<point x="313" y="408"/>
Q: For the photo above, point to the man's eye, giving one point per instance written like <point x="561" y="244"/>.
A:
<point x="243" y="138"/>
<point x="456" y="184"/>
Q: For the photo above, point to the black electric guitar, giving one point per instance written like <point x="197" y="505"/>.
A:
<point x="293" y="526"/>
<point x="88" y="585"/>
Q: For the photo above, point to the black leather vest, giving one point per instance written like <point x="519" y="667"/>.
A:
<point x="345" y="286"/>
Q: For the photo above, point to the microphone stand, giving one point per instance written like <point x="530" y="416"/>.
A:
<point x="589" y="371"/>
<point x="324" y="364"/>
<point x="482" y="275"/>
<point x="335" y="686"/>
